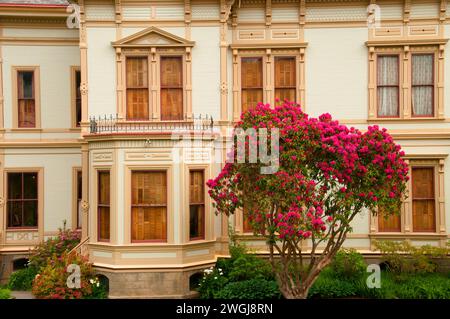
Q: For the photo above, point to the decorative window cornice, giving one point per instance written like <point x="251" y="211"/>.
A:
<point x="152" y="37"/>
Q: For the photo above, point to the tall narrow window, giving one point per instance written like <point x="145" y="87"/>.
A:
<point x="196" y="205"/>
<point x="77" y="98"/>
<point x="22" y="201"/>
<point x="26" y="99"/>
<point x="285" y="82"/>
<point x="79" y="197"/>
<point x="388" y="85"/>
<point x="104" y="206"/>
<point x="251" y="83"/>
<point x="246" y="226"/>
<point x="423" y="199"/>
<point x="149" y="206"/>
<point x="137" y="88"/>
<point x="391" y="223"/>
<point x="171" y="88"/>
<point x="422" y="84"/>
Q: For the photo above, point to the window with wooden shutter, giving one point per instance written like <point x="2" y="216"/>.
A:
<point x="196" y="204"/>
<point x="103" y="206"/>
<point x="388" y="89"/>
<point x="422" y="85"/>
<point x="77" y="98"/>
<point x="79" y="197"/>
<point x="251" y="82"/>
<point x="148" y="206"/>
<point x="22" y="200"/>
<point x="137" y="88"/>
<point x="26" y="99"/>
<point x="285" y="81"/>
<point x="423" y="199"/>
<point x="171" y="88"/>
<point x="390" y="223"/>
<point x="246" y="226"/>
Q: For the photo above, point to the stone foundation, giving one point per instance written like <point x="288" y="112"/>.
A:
<point x="6" y="265"/>
<point x="145" y="283"/>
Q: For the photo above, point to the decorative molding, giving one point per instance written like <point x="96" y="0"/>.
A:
<point x="152" y="37"/>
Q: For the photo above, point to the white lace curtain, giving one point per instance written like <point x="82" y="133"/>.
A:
<point x="388" y="86"/>
<point x="422" y="84"/>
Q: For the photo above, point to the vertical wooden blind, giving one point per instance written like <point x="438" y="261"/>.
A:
<point x="388" y="86"/>
<point x="137" y="88"/>
<point x="22" y="201"/>
<point x="171" y="88"/>
<point x="285" y="82"/>
<point x="79" y="191"/>
<point x="26" y="99"/>
<point x="391" y="223"/>
<point x="77" y="98"/>
<point x="149" y="206"/>
<point x="196" y="204"/>
<point x="103" y="206"/>
<point x="251" y="82"/>
<point x="423" y="199"/>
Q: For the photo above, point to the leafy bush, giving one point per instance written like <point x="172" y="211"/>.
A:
<point x="329" y="285"/>
<point x="401" y="258"/>
<point x="241" y="266"/>
<point x="349" y="264"/>
<point x="250" y="289"/>
<point x="64" y="242"/>
<point x="51" y="282"/>
<point x="22" y="279"/>
<point x="5" y="294"/>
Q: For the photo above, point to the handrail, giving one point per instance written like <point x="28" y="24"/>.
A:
<point x="78" y="249"/>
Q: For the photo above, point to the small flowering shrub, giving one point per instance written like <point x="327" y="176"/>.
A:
<point x="51" y="282"/>
<point x="64" y="242"/>
<point x="349" y="264"/>
<point x="327" y="173"/>
<point x="212" y="282"/>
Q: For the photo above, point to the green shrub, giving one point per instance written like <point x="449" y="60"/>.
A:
<point x="328" y="285"/>
<point x="250" y="289"/>
<point x="22" y="279"/>
<point x="212" y="282"/>
<point x="64" y="242"/>
<point x="348" y="264"/>
<point x="5" y="294"/>
<point x="402" y="259"/>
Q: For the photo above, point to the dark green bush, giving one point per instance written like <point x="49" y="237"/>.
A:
<point x="250" y="289"/>
<point x="348" y="264"/>
<point x="22" y="279"/>
<point x="5" y="294"/>
<point x="329" y="285"/>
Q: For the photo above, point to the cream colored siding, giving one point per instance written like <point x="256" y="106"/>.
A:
<point x="336" y="72"/>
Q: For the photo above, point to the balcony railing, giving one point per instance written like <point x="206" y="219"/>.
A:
<point x="112" y="124"/>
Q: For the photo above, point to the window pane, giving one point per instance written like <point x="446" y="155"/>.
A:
<point x="171" y="88"/>
<point x="149" y="223"/>
<point x="137" y="104"/>
<point x="14" y="185"/>
<point x="387" y="70"/>
<point x="103" y="222"/>
<point x="251" y="73"/>
<point x="285" y="94"/>
<point x="137" y="75"/>
<point x="196" y="215"/>
<point x="77" y="98"/>
<point x="250" y="98"/>
<point x="149" y="188"/>
<point x="391" y="223"/>
<point x="423" y="198"/>
<point x="15" y="213"/>
<point x="103" y="188"/>
<point x="30" y="213"/>
<point x="388" y="101"/>
<point x="26" y="84"/>
<point x="422" y="100"/>
<point x="171" y="104"/>
<point x="26" y="113"/>
<point x="103" y="205"/>
<point x="30" y="189"/>
<point x="196" y="191"/>
<point x="171" y="72"/>
<point x="284" y="72"/>
<point x="422" y="69"/>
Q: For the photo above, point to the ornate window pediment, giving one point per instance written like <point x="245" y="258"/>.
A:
<point x="152" y="37"/>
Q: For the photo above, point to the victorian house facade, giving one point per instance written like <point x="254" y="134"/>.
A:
<point x="92" y="117"/>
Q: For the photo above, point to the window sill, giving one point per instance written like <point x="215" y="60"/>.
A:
<point x="403" y="120"/>
<point x="19" y="229"/>
<point x="26" y="129"/>
<point x="410" y="234"/>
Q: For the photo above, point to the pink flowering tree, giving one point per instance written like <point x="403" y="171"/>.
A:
<point x="327" y="174"/>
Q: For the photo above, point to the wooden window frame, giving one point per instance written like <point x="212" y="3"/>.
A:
<point x="15" y="96"/>
<point x="405" y="53"/>
<point x="154" y="84"/>
<point x="268" y="53"/>
<point x="433" y="85"/>
<point x="40" y="171"/>
<point x="435" y="198"/>
<point x="295" y="88"/>
<point x="398" y="86"/>
<point x="437" y="163"/>
<point x="149" y="77"/>
<point x="74" y="98"/>
<point x="75" y="221"/>
<point x="263" y="80"/>
<point x="98" y="205"/>
<point x="203" y="230"/>
<point x="163" y="87"/>
<point x="141" y="205"/>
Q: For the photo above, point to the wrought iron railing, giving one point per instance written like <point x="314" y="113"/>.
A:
<point x="112" y="124"/>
